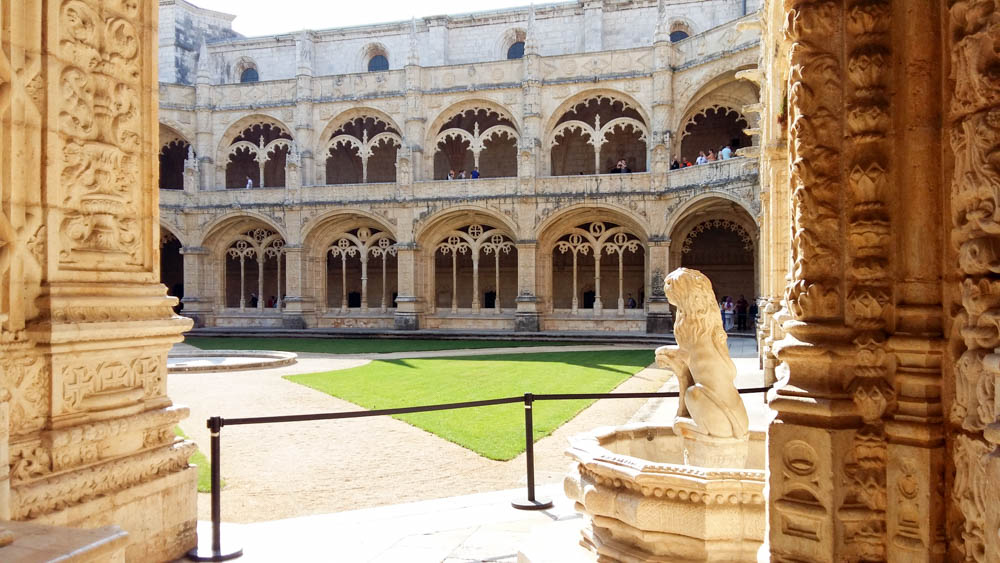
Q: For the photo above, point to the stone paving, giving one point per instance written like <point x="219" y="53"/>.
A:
<point x="436" y="525"/>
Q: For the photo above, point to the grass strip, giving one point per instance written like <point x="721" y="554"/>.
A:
<point x="496" y="432"/>
<point x="199" y="460"/>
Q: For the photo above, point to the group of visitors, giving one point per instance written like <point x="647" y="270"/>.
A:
<point x="725" y="153"/>
<point x="741" y="315"/>
<point x="461" y="174"/>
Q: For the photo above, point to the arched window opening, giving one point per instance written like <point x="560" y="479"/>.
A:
<point x="172" y="157"/>
<point x="711" y="130"/>
<point x="678" y="35"/>
<point x="594" y="252"/>
<point x="476" y="138"/>
<point x="516" y="51"/>
<point x="724" y="251"/>
<point x="594" y="135"/>
<point x="378" y="63"/>
<point x="249" y="75"/>
<point x="361" y="271"/>
<point x="172" y="266"/>
<point x="473" y="266"/>
<point x="257" y="157"/>
<point x="255" y="263"/>
<point x="362" y="150"/>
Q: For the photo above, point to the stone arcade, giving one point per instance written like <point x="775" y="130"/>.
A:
<point x="879" y="184"/>
<point x="347" y="137"/>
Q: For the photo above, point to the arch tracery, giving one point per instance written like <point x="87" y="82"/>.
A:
<point x="259" y="154"/>
<point x="258" y="245"/>
<point x="475" y="240"/>
<point x="724" y="224"/>
<point x="358" y="142"/>
<point x="711" y="127"/>
<point x="603" y="126"/>
<point x="486" y="134"/>
<point x="595" y="239"/>
<point x="363" y="243"/>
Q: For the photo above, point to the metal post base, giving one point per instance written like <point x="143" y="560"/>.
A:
<point x="527" y="504"/>
<point x="204" y="552"/>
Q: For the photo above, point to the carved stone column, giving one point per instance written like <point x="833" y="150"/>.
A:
<point x="298" y="307"/>
<point x="84" y="321"/>
<point x="973" y="518"/>
<point x="407" y="303"/>
<point x="527" y="318"/>
<point x="197" y="306"/>
<point x="817" y="449"/>
<point x="658" y="316"/>
<point x="857" y="450"/>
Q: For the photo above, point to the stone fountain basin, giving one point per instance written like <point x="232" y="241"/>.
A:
<point x="227" y="360"/>
<point x="644" y="504"/>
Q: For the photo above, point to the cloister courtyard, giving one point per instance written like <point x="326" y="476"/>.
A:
<point x="281" y="471"/>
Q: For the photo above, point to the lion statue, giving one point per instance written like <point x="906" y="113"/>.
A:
<point x="701" y="361"/>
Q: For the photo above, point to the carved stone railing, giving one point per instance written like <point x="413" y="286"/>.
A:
<point x="726" y="38"/>
<point x="717" y="175"/>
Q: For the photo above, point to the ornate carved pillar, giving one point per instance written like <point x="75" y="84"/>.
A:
<point x="973" y="518"/>
<point x="818" y="449"/>
<point x="857" y="457"/>
<point x="85" y="324"/>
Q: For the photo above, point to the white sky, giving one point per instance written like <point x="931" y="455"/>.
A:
<point x="270" y="17"/>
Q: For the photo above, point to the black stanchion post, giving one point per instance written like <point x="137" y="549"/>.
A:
<point x="529" y="454"/>
<point x="216" y="553"/>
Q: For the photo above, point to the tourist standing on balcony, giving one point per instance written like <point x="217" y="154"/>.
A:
<point x="620" y="168"/>
<point x="249" y="182"/>
<point x="461" y="174"/>
<point x="675" y="165"/>
<point x="701" y="158"/>
<point x="726" y="153"/>
<point x="475" y="173"/>
<point x="710" y="156"/>
<point x="451" y="175"/>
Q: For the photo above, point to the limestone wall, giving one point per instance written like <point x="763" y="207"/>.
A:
<point x="87" y="427"/>
<point x="562" y="28"/>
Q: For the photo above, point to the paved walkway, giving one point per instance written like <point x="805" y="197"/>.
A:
<point x="297" y="469"/>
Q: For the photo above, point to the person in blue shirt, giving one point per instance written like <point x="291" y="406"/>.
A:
<point x="475" y="173"/>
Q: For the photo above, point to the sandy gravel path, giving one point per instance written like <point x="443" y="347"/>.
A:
<point x="296" y="469"/>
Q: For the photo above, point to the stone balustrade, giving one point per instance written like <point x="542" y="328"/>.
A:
<point x="716" y="175"/>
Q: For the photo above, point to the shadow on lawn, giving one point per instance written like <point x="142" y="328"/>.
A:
<point x="597" y="360"/>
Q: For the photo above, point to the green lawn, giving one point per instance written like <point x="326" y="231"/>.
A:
<point x="496" y="431"/>
<point x="353" y="345"/>
<point x="204" y="467"/>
